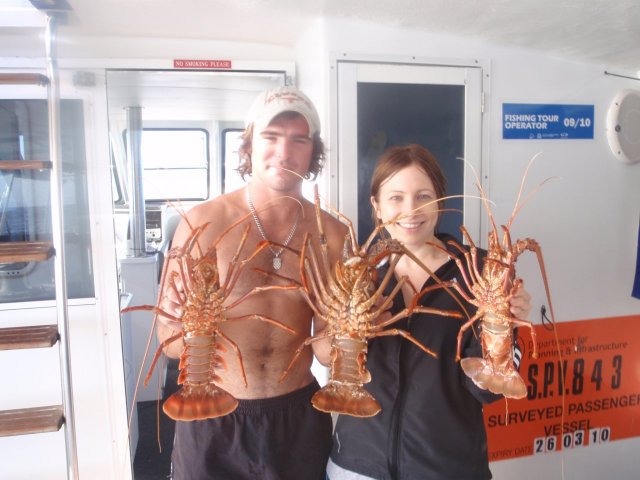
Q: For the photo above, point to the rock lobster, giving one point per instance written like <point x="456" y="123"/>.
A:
<point x="203" y="296"/>
<point x="347" y="297"/>
<point x="491" y="288"/>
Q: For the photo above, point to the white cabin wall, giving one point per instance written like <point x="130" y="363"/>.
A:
<point x="589" y="213"/>
<point x="312" y="78"/>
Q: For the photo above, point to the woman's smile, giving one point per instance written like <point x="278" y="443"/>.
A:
<point x="407" y="205"/>
<point x="413" y="225"/>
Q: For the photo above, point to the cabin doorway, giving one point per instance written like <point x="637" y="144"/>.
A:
<point x="385" y="104"/>
<point x="173" y="137"/>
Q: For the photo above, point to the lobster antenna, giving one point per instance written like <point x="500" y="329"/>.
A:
<point x="367" y="243"/>
<point x="323" y="239"/>
<point x="351" y="235"/>
<point x="405" y="215"/>
<point x="483" y="194"/>
<point x="408" y="214"/>
<point x="301" y="178"/>
<point x="344" y="219"/>
<point x="528" y="198"/>
<point x="517" y="207"/>
<point x="178" y="207"/>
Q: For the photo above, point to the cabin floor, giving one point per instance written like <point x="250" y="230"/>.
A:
<point x="151" y="461"/>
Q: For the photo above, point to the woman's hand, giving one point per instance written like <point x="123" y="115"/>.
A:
<point x="385" y="314"/>
<point x="520" y="301"/>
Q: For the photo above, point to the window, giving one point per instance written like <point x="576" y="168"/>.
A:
<point x="25" y="202"/>
<point x="175" y="164"/>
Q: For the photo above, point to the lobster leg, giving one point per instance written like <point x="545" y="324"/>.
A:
<point x="474" y="270"/>
<point x="383" y="284"/>
<point x="151" y="308"/>
<point x="469" y="278"/>
<point x="308" y="341"/>
<point x="446" y="286"/>
<point x="156" y="356"/>
<point x="260" y="290"/>
<point x="235" y="348"/>
<point x="463" y="329"/>
<point x="437" y="311"/>
<point x="261" y="246"/>
<point x="408" y="336"/>
<point x="303" y="289"/>
<point x="315" y="268"/>
<point x="534" y="338"/>
<point x="232" y="271"/>
<point x="378" y="293"/>
<point x="264" y="318"/>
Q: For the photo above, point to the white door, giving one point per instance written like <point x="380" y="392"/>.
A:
<point x="382" y="105"/>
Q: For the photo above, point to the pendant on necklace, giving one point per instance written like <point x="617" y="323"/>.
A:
<point x="277" y="263"/>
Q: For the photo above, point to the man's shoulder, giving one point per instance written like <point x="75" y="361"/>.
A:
<point x="218" y="214"/>
<point x="222" y="208"/>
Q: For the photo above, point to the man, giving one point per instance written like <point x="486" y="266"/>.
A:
<point x="274" y="433"/>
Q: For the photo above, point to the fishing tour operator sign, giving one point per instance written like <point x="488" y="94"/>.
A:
<point x="546" y="122"/>
<point x="582" y="390"/>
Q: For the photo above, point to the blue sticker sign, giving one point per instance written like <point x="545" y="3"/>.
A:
<point x="546" y="122"/>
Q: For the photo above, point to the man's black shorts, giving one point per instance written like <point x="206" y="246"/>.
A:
<point x="279" y="438"/>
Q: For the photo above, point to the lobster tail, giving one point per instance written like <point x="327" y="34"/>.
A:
<point x="199" y="402"/>
<point x="200" y="398"/>
<point x="344" y="393"/>
<point x="481" y="371"/>
<point x="346" y="399"/>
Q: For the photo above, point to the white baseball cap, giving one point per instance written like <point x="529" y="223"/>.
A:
<point x="271" y="103"/>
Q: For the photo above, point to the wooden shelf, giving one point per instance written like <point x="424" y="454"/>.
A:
<point x="31" y="420"/>
<point x="38" y="336"/>
<point x="25" y="165"/>
<point x="23" y="79"/>
<point x="11" y="252"/>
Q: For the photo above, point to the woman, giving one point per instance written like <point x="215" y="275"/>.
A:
<point x="431" y="424"/>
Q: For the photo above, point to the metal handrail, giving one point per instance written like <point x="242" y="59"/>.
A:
<point x="136" y="194"/>
<point x="57" y="227"/>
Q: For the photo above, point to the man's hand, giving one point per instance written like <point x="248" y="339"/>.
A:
<point x="171" y="302"/>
